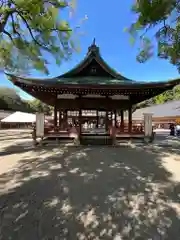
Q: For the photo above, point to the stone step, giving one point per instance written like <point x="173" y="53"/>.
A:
<point x="96" y="141"/>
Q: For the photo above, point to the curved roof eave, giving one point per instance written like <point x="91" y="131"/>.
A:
<point x="54" y="82"/>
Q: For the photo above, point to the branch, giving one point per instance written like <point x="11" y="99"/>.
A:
<point x="9" y="35"/>
<point x="13" y="25"/>
<point x="55" y="4"/>
<point x="146" y="30"/>
<point x="31" y="33"/>
<point x="59" y="30"/>
<point x="5" y="18"/>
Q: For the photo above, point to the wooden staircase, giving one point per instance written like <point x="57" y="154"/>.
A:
<point x="96" y="140"/>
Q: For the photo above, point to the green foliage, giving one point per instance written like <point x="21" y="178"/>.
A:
<point x="29" y="28"/>
<point x="161" y="16"/>
<point x="160" y="99"/>
<point x="38" y="106"/>
<point x="10" y="100"/>
<point x="165" y="97"/>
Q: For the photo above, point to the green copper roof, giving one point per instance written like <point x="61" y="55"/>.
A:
<point x="82" y="74"/>
<point x="93" y="54"/>
<point x="91" y="80"/>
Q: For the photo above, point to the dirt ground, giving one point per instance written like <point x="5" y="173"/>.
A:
<point x="55" y="193"/>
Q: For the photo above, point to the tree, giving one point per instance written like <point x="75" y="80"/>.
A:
<point x="177" y="93"/>
<point x="144" y="104"/>
<point x="10" y="100"/>
<point x="167" y="96"/>
<point x="29" y="28"/>
<point x="164" y="97"/>
<point x="163" y="17"/>
<point x="38" y="106"/>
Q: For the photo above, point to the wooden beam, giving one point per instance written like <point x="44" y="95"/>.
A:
<point x="92" y="104"/>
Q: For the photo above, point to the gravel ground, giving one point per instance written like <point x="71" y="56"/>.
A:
<point x="123" y="192"/>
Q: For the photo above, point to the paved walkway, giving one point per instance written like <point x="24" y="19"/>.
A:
<point x="127" y="192"/>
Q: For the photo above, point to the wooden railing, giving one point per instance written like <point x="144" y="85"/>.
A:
<point x="134" y="130"/>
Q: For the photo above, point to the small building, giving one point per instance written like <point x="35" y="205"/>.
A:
<point x="163" y="114"/>
<point x="18" y="120"/>
<point x="92" y="92"/>
<point x="4" y="114"/>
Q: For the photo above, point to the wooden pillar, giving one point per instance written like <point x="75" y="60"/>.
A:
<point x="55" y="116"/>
<point x="115" y="118"/>
<point x="122" y="121"/>
<point x="97" y="119"/>
<point x="65" y="118"/>
<point x="106" y="121"/>
<point x="130" y="119"/>
<point x="80" y="122"/>
<point x="59" y="118"/>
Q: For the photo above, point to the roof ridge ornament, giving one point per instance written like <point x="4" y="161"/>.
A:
<point x="93" y="48"/>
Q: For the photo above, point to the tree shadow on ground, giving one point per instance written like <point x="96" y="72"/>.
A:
<point x="167" y="144"/>
<point x="163" y="148"/>
<point x="15" y="142"/>
<point x="90" y="193"/>
<point x="17" y="147"/>
<point x="8" y="134"/>
<point x="14" y="137"/>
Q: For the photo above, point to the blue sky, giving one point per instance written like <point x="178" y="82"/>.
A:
<point x="106" y="22"/>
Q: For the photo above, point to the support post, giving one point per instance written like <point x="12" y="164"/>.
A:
<point x="148" y="133"/>
<point x="80" y="123"/>
<point x="115" y="118"/>
<point x="39" y="127"/>
<point x="55" y="117"/>
<point x="59" y="118"/>
<point x="65" y="118"/>
<point x="122" y="121"/>
<point x="130" y="120"/>
<point x="106" y="121"/>
<point x="97" y="119"/>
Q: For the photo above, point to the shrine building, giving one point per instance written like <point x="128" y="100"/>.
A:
<point x="92" y="93"/>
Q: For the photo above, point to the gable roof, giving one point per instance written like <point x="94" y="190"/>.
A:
<point x="167" y="109"/>
<point x="4" y="113"/>
<point x="111" y="79"/>
<point x="80" y="80"/>
<point x="93" y="54"/>
<point x="20" y="117"/>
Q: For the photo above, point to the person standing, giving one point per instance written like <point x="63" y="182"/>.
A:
<point x="178" y="130"/>
<point x="172" y="129"/>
